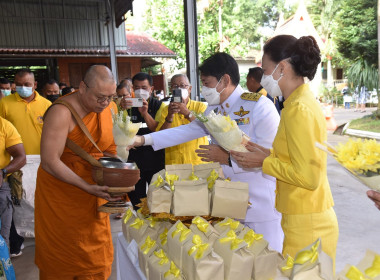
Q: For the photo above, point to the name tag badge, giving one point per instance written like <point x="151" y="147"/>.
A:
<point x="242" y="121"/>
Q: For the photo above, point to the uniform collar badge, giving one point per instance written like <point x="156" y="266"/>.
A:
<point x="241" y="112"/>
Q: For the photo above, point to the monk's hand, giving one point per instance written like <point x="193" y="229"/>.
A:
<point x="213" y="153"/>
<point x="102" y="192"/>
<point x="252" y="159"/>
<point x="375" y="197"/>
<point x="138" y="141"/>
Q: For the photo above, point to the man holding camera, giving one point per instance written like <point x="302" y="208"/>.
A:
<point x="179" y="112"/>
<point x="148" y="161"/>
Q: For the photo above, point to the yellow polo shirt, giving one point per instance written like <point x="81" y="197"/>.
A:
<point x="300" y="167"/>
<point x="27" y="118"/>
<point x="183" y="153"/>
<point x="8" y="138"/>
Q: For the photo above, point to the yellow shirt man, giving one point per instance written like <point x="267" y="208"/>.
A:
<point x="183" y="153"/>
<point x="8" y="138"/>
<point x="27" y="117"/>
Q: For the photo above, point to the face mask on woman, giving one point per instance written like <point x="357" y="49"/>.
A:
<point x="211" y="95"/>
<point x="271" y="85"/>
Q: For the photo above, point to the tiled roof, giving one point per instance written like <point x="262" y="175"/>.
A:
<point x="142" y="44"/>
<point x="138" y="45"/>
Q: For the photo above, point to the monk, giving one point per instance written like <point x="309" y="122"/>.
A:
<point x="73" y="239"/>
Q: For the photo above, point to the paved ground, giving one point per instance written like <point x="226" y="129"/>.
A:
<point x="359" y="220"/>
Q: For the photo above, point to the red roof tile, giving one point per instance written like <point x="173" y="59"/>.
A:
<point x="138" y="45"/>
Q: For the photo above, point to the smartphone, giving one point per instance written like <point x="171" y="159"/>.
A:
<point x="136" y="102"/>
<point x="177" y="96"/>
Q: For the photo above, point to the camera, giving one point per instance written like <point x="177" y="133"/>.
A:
<point x="177" y="95"/>
<point x="136" y="102"/>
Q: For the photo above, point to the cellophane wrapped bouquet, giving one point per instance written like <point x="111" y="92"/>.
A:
<point x="225" y="131"/>
<point x="362" y="159"/>
<point x="123" y="132"/>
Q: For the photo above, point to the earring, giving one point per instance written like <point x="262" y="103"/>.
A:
<point x="282" y="74"/>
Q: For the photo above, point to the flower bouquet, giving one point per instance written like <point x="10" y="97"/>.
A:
<point x="225" y="131"/>
<point x="361" y="158"/>
<point x="123" y="133"/>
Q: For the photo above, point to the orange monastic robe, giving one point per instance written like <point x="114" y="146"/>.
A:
<point x="72" y="238"/>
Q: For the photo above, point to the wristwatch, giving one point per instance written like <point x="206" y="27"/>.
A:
<point x="190" y="116"/>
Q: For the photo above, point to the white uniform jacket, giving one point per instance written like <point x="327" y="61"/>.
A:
<point x="259" y="120"/>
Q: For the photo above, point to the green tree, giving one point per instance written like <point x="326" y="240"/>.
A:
<point x="240" y="25"/>
<point x="356" y="38"/>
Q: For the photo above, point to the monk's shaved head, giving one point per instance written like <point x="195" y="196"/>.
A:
<point x="98" y="73"/>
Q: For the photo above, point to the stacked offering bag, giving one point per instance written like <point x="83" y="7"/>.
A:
<point x="184" y="190"/>
<point x="227" y="250"/>
<point x="367" y="269"/>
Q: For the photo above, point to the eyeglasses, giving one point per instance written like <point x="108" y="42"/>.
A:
<point x="175" y="86"/>
<point x="102" y="99"/>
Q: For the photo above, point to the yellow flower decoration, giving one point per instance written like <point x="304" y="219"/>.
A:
<point x="172" y="271"/>
<point x="250" y="237"/>
<point x="162" y="256"/>
<point x="128" y="214"/>
<point x="359" y="155"/>
<point x="212" y="178"/>
<point x="231" y="237"/>
<point x="164" y="237"/>
<point x="171" y="179"/>
<point x="198" y="247"/>
<point x="158" y="182"/>
<point x="289" y="264"/>
<point x="355" y="274"/>
<point x="308" y="255"/>
<point x="148" y="245"/>
<point x="201" y="224"/>
<point x="374" y="270"/>
<point x="193" y="177"/>
<point x="232" y="224"/>
<point x="183" y="230"/>
<point x="137" y="224"/>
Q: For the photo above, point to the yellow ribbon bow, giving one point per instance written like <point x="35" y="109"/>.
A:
<point x="158" y="182"/>
<point x="355" y="274"/>
<point x="198" y="247"/>
<point x="152" y="221"/>
<point x="250" y="237"/>
<point x="308" y="255"/>
<point x="173" y="270"/>
<point x="231" y="223"/>
<point x="289" y="264"/>
<point x="374" y="270"/>
<point x="193" y="177"/>
<point x="164" y="236"/>
<point x="162" y="256"/>
<point x="202" y="225"/>
<point x="171" y="179"/>
<point x="211" y="179"/>
<point x="137" y="224"/>
<point x="128" y="214"/>
<point x="231" y="237"/>
<point x="148" y="245"/>
<point x="183" y="230"/>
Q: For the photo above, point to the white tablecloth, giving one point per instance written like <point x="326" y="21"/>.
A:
<point x="127" y="260"/>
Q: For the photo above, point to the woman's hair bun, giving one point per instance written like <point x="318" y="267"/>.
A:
<point x="305" y="57"/>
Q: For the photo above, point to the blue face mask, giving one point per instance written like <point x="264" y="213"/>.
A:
<point x="24" y="91"/>
<point x="6" y="92"/>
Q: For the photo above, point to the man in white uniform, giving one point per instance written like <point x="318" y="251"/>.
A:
<point x="257" y="117"/>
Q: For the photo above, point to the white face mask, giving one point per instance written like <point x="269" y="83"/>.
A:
<point x="6" y="92"/>
<point x="211" y="95"/>
<point x="24" y="91"/>
<point x="185" y="93"/>
<point x="271" y="85"/>
<point x="142" y="93"/>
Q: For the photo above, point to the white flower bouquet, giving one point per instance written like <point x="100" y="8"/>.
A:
<point x="225" y="131"/>
<point x="123" y="133"/>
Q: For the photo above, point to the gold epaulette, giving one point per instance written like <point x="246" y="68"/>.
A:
<point x="252" y="96"/>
